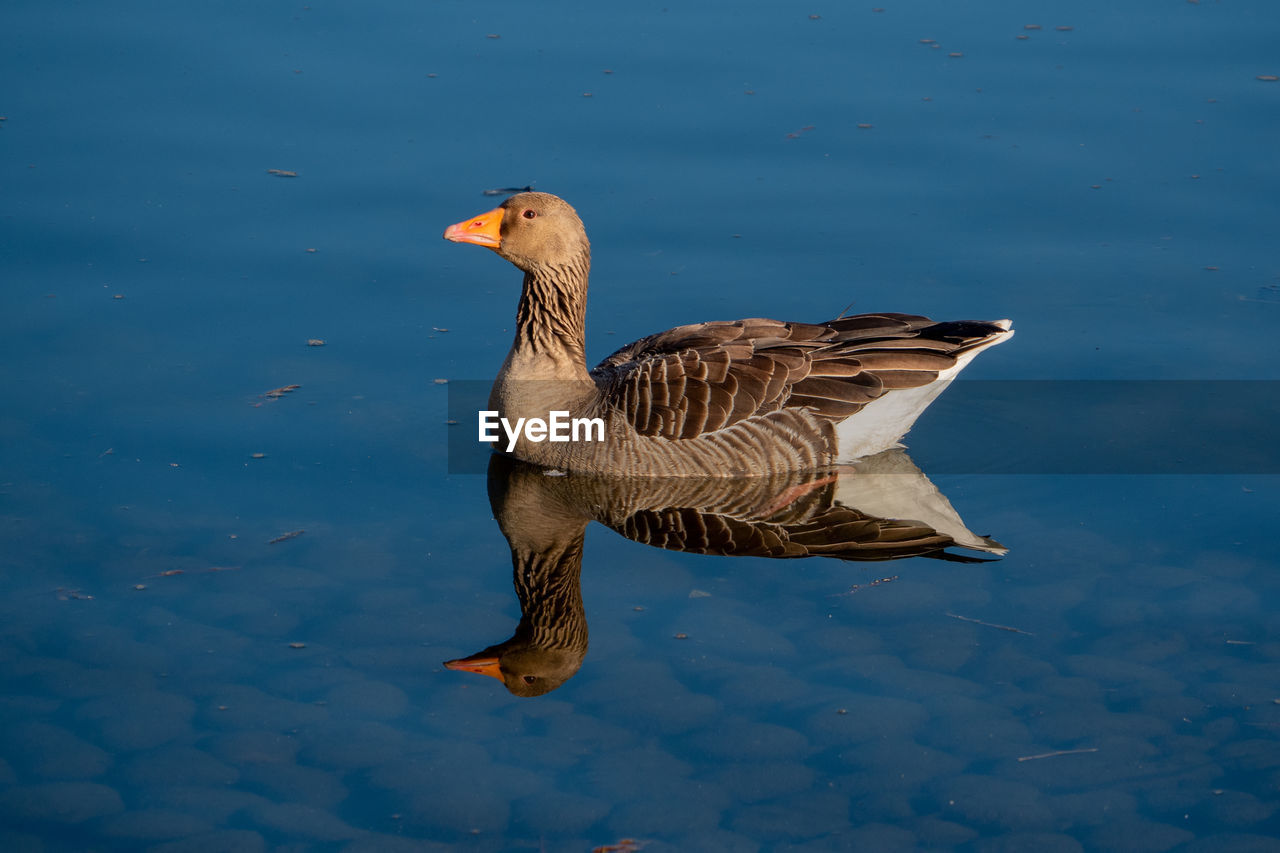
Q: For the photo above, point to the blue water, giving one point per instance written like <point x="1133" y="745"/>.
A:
<point x="172" y="681"/>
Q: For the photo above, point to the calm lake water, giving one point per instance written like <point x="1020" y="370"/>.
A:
<point x="179" y="673"/>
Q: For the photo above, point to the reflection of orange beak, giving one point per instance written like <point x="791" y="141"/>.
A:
<point x="484" y="666"/>
<point x="483" y="230"/>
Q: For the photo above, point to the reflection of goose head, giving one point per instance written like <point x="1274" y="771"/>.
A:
<point x="526" y="670"/>
<point x="882" y="509"/>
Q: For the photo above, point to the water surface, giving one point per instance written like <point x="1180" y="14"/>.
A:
<point x="173" y="680"/>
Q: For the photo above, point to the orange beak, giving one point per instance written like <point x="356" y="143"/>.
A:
<point x="484" y="666"/>
<point x="483" y="230"/>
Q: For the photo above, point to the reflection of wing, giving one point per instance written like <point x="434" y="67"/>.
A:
<point x="838" y="532"/>
<point x="696" y="379"/>
<point x="882" y="509"/>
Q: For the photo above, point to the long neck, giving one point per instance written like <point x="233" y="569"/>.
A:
<point x="547" y="584"/>
<point x="551" y="320"/>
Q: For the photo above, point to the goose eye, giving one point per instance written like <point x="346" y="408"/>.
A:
<point x="529" y="679"/>
<point x="531" y="214"/>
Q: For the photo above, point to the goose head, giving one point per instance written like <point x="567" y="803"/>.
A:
<point x="531" y="230"/>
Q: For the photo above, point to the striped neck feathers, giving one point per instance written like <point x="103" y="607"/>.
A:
<point x="552" y="316"/>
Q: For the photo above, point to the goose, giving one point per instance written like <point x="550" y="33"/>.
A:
<point x="714" y="399"/>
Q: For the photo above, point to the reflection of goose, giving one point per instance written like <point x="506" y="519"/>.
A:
<point x="710" y="399"/>
<point x="787" y="515"/>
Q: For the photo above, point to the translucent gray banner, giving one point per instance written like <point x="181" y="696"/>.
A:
<point x="1042" y="427"/>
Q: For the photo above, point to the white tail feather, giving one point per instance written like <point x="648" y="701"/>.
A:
<point x="881" y="424"/>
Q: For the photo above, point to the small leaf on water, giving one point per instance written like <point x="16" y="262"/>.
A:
<point x="285" y="537"/>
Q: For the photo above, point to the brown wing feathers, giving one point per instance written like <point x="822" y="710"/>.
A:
<point x="696" y="379"/>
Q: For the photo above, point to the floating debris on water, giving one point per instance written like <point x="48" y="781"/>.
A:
<point x="285" y="537"/>
<point x="276" y="393"/>
<point x="508" y="190"/>
<point x="1056" y="753"/>
<point x="858" y="587"/>
<point x="990" y="625"/>
<point x="282" y="173"/>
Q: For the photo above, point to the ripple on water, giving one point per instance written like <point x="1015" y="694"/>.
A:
<point x="1041" y="842"/>
<point x="992" y="803"/>
<point x="557" y="813"/>
<point x="295" y="783"/>
<point x="740" y="738"/>
<point x="219" y="841"/>
<point x="177" y="765"/>
<point x="59" y="802"/>
<point x="139" y="720"/>
<point x="150" y="825"/>
<point x="808" y="815"/>
<point x="50" y="752"/>
<point x="300" y="821"/>
<point x="1129" y="832"/>
<point x="753" y="781"/>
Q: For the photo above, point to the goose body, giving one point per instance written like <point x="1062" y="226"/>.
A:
<point x="746" y="397"/>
